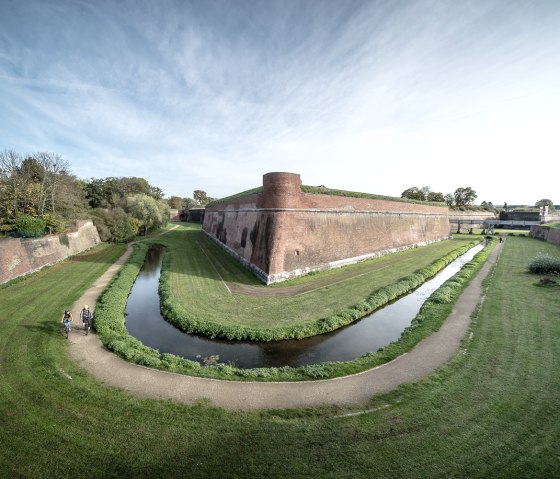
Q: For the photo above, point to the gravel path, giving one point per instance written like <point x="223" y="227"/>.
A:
<point x="426" y="357"/>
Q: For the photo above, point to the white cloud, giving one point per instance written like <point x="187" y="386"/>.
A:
<point x="367" y="96"/>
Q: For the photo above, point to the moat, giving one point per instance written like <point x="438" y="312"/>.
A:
<point x="372" y="332"/>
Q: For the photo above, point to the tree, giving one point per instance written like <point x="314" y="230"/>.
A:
<point x="10" y="163"/>
<point x="31" y="185"/>
<point x="414" y="193"/>
<point x="71" y="200"/>
<point x="114" y="224"/>
<point x="150" y="213"/>
<point x="189" y="203"/>
<point x="546" y="202"/>
<point x="111" y="192"/>
<point x="437" y="197"/>
<point x="175" y="202"/>
<point x="464" y="196"/>
<point x="200" y="197"/>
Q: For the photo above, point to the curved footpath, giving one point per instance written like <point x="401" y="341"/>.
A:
<point x="426" y="357"/>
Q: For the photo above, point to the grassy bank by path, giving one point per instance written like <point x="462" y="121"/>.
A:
<point x="493" y="412"/>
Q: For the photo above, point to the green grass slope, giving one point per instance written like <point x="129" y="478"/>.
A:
<point x="492" y="412"/>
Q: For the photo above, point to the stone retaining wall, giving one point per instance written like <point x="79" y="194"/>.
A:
<point x="552" y="235"/>
<point x="20" y="256"/>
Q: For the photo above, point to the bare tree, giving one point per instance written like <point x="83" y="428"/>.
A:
<point x="10" y="164"/>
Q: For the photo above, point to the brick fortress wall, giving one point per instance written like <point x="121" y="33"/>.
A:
<point x="283" y="233"/>
<point x="546" y="233"/>
<point x="22" y="256"/>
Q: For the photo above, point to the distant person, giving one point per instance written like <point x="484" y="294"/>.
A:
<point x="501" y="239"/>
<point x="67" y="319"/>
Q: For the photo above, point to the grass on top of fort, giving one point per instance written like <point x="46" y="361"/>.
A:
<point x="493" y="411"/>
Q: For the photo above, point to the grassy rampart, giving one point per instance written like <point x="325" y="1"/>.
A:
<point x="319" y="190"/>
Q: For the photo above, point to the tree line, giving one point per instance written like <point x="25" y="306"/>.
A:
<point x="39" y="194"/>
<point x="199" y="200"/>
<point x="461" y="198"/>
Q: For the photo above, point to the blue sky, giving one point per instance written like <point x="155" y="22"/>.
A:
<point x="372" y="96"/>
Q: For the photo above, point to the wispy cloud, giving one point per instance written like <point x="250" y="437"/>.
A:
<point x="211" y="95"/>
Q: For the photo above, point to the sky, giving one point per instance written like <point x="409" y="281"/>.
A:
<point x="361" y="95"/>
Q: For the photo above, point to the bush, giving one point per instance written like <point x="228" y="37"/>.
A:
<point x="55" y="223"/>
<point x="115" y="224"/>
<point x="7" y="228"/>
<point x="29" y="227"/>
<point x="315" y="371"/>
<point x="444" y="295"/>
<point x="545" y="263"/>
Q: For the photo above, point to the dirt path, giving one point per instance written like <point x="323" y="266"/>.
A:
<point x="354" y="390"/>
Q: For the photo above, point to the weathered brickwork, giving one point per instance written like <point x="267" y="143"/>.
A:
<point x="283" y="233"/>
<point x="22" y="256"/>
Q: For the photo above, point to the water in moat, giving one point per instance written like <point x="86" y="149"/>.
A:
<point x="144" y="322"/>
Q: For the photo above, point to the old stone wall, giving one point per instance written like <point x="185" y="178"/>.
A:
<point x="552" y="235"/>
<point x="283" y="233"/>
<point x="19" y="256"/>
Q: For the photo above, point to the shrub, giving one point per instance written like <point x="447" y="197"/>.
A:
<point x="29" y="227"/>
<point x="545" y="263"/>
<point x="315" y="371"/>
<point x="443" y="295"/>
<point x="115" y="224"/>
<point x="6" y="228"/>
<point x="55" y="223"/>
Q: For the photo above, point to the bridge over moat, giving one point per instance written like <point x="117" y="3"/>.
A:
<point x="490" y="224"/>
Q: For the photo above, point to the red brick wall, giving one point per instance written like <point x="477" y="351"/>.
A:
<point x="317" y="239"/>
<point x="22" y="256"/>
<point x="285" y="235"/>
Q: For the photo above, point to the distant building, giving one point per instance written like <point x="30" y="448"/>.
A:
<point x="192" y="215"/>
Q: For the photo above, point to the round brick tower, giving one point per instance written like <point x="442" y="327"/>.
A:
<point x="281" y="190"/>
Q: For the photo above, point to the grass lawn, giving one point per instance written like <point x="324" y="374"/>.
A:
<point x="494" y="411"/>
<point x="199" y="271"/>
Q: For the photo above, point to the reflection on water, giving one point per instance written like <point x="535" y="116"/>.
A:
<point x="382" y="327"/>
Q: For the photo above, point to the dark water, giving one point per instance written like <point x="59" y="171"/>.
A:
<point x="384" y="326"/>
